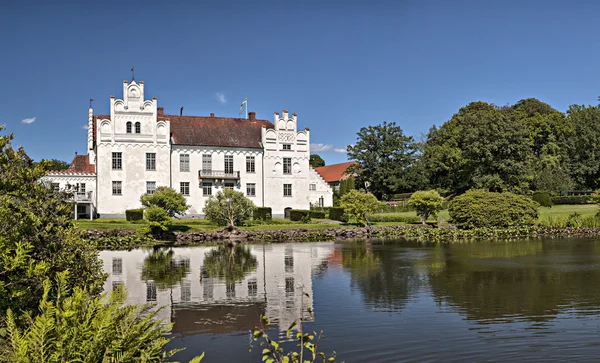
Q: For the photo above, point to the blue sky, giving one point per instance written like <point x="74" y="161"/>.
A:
<point x="340" y="65"/>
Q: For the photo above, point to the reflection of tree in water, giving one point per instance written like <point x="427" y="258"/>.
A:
<point x="384" y="280"/>
<point x="229" y="263"/>
<point x="491" y="280"/>
<point x="162" y="268"/>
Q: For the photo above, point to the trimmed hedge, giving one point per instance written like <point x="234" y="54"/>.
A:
<point x="573" y="199"/>
<point x="336" y="213"/>
<point x="483" y="209"/>
<point x="262" y="213"/>
<point x="390" y="217"/>
<point x="317" y="214"/>
<point x="543" y="198"/>
<point x="134" y="214"/>
<point x="299" y="215"/>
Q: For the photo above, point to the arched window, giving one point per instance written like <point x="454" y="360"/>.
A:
<point x="129" y="127"/>
<point x="138" y="128"/>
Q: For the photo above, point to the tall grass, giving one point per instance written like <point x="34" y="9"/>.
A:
<point x="574" y="220"/>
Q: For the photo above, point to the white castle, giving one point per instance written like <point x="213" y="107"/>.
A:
<point x="137" y="147"/>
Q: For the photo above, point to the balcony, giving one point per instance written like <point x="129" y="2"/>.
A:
<point x="218" y="174"/>
<point x="83" y="197"/>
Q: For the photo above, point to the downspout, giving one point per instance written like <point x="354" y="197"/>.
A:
<point x="170" y="162"/>
<point x="262" y="169"/>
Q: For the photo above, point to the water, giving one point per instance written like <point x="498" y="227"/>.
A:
<point x="392" y="301"/>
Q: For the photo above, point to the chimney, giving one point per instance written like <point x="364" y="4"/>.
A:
<point x="212" y="114"/>
<point x="252" y="116"/>
<point x="161" y="111"/>
<point x="181" y="111"/>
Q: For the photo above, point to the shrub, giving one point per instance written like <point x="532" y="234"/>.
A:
<point x="543" y="198"/>
<point x="573" y="199"/>
<point x="317" y="215"/>
<point x="228" y="208"/>
<point x="480" y="208"/>
<point x="337" y="214"/>
<point x="166" y="198"/>
<point x="300" y="215"/>
<point x="134" y="214"/>
<point x="158" y="218"/>
<point x="427" y="203"/>
<point x="358" y="204"/>
<point x="391" y="217"/>
<point x="262" y="214"/>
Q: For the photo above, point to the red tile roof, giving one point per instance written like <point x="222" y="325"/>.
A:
<point x="216" y="131"/>
<point x="335" y="172"/>
<point x="79" y="166"/>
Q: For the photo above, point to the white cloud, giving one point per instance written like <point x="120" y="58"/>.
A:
<point x="221" y="97"/>
<point x="85" y="127"/>
<point x="344" y="150"/>
<point x="320" y="147"/>
<point x="28" y="120"/>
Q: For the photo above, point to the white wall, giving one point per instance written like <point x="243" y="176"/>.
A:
<point x="322" y="189"/>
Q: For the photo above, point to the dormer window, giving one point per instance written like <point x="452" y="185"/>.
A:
<point x="129" y="127"/>
<point x="138" y="128"/>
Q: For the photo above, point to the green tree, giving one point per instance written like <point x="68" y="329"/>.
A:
<point x="37" y="236"/>
<point x="53" y="164"/>
<point x="346" y="185"/>
<point x="316" y="161"/>
<point x="384" y="154"/>
<point x="169" y="199"/>
<point x="158" y="219"/>
<point x="358" y="204"/>
<point x="230" y="263"/>
<point x="584" y="146"/>
<point x="80" y="327"/>
<point x="481" y="146"/>
<point x="161" y="267"/>
<point x="426" y="203"/>
<point x="228" y="208"/>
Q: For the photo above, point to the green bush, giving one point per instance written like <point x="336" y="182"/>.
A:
<point x="300" y="215"/>
<point x="391" y="217"/>
<point x="573" y="199"/>
<point x="543" y="198"/>
<point x="262" y="214"/>
<point x="483" y="209"/>
<point x="158" y="218"/>
<point x="336" y="213"/>
<point x="317" y="215"/>
<point x="134" y="214"/>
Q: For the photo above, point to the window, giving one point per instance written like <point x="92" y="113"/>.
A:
<point x="129" y="127"/>
<point x="286" y="147"/>
<point x="184" y="162"/>
<point x="206" y="189"/>
<point x="116" y="284"/>
<point x="250" y="164"/>
<point x="251" y="189"/>
<point x="228" y="185"/>
<point x="138" y="128"/>
<point x="252" y="288"/>
<point x="117" y="161"/>
<point x="206" y="162"/>
<point x="117" y="187"/>
<point x="287" y="190"/>
<point x="312" y="187"/>
<point x="150" y="187"/>
<point x="287" y="165"/>
<point x="289" y="286"/>
<point x="150" y="291"/>
<point x="186" y="291"/>
<point x="228" y="164"/>
<point x="55" y="187"/>
<point x="184" y="188"/>
<point x="230" y="290"/>
<point x="80" y="188"/>
<point x="150" y="161"/>
<point x="117" y="266"/>
<point x="289" y="263"/>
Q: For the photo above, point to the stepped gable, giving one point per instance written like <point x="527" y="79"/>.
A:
<point x="335" y="172"/>
<point x="79" y="166"/>
<point x="216" y="131"/>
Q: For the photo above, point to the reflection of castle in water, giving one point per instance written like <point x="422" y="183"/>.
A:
<point x="280" y="287"/>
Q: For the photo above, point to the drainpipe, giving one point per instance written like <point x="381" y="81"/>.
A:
<point x="263" y="175"/>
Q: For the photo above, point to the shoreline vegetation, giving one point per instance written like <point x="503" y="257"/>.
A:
<point x="558" y="221"/>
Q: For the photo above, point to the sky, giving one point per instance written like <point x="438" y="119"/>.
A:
<point x="340" y="65"/>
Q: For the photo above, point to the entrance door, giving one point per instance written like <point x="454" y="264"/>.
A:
<point x="286" y="213"/>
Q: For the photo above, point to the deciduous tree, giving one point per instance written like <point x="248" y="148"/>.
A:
<point x="228" y="208"/>
<point x="358" y="204"/>
<point x="426" y="203"/>
<point x="169" y="199"/>
<point x="316" y="161"/>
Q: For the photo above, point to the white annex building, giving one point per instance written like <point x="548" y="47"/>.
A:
<point x="137" y="147"/>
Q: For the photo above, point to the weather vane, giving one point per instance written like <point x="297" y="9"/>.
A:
<point x="91" y="100"/>
<point x="132" y="74"/>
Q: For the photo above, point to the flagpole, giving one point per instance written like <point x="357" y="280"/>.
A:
<point x="246" y="108"/>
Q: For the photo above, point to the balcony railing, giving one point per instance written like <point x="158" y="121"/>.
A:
<point x="218" y="174"/>
<point x="83" y="196"/>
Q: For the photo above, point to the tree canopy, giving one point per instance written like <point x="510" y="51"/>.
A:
<point x="169" y="199"/>
<point x="53" y="164"/>
<point x="316" y="161"/>
<point x="228" y="208"/>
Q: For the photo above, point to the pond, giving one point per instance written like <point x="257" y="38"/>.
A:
<point x="378" y="301"/>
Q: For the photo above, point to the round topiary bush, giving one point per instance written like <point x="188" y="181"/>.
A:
<point x="543" y="198"/>
<point x="480" y="208"/>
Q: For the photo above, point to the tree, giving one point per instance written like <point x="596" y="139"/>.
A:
<point x="358" y="204"/>
<point x="316" y="161"/>
<point x="37" y="236"/>
<point x="158" y="219"/>
<point x="228" y="208"/>
<point x="481" y="146"/>
<point x="53" y="164"/>
<point x="384" y="154"/>
<point x="427" y="203"/>
<point x="85" y="328"/>
<point x="584" y="146"/>
<point x="169" y="199"/>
